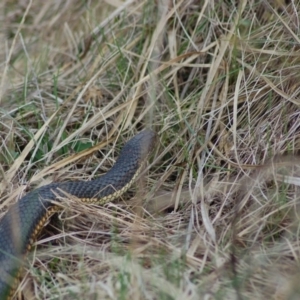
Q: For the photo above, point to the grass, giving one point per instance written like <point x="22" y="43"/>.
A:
<point x="216" y="215"/>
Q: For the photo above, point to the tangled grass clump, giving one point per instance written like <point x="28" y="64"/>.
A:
<point x="216" y="214"/>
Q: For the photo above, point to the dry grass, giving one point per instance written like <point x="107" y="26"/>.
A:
<point x="214" y="217"/>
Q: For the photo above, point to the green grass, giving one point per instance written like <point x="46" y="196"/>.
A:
<point x="220" y="86"/>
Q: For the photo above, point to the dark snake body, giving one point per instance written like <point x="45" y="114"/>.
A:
<point x="23" y="221"/>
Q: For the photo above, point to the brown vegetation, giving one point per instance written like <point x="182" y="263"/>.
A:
<point x="216" y="216"/>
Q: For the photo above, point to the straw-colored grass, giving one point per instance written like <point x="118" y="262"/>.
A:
<point x="215" y="216"/>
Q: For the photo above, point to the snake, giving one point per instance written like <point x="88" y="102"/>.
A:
<point x="25" y="219"/>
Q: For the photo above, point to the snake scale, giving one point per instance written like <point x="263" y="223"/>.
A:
<point x="24" y="220"/>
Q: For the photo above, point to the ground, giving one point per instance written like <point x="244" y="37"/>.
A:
<point x="216" y="214"/>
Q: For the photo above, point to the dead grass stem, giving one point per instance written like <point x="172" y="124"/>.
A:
<point x="216" y="215"/>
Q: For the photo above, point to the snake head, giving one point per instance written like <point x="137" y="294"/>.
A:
<point x="147" y="140"/>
